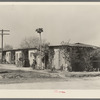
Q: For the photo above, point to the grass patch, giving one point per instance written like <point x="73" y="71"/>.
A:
<point x="82" y="74"/>
<point x="19" y="76"/>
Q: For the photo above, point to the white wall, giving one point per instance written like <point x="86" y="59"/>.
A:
<point x="56" y="59"/>
<point x="18" y="54"/>
<point x="0" y="55"/>
<point x="31" y="56"/>
<point x="8" y="57"/>
<point x="62" y="59"/>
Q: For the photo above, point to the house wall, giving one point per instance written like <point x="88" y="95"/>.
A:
<point x="56" y="60"/>
<point x="18" y="54"/>
<point x="0" y="56"/>
<point x="31" y="56"/>
<point x="37" y="58"/>
<point x="59" y="59"/>
<point x="62" y="59"/>
<point x="8" y="57"/>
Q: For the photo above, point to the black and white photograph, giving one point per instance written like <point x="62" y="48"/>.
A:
<point x="50" y="46"/>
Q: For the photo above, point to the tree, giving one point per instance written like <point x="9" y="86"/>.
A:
<point x="33" y="42"/>
<point x="78" y="56"/>
<point x="8" y="47"/>
<point x="39" y="30"/>
<point x="45" y="53"/>
<point x="30" y="42"/>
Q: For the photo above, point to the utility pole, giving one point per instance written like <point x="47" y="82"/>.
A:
<point x="2" y="34"/>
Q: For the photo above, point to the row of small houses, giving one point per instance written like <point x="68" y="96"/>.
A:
<point x="57" y="57"/>
<point x="14" y="55"/>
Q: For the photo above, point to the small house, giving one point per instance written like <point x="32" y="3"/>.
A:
<point x="32" y="54"/>
<point x="18" y="55"/>
<point x="73" y="55"/>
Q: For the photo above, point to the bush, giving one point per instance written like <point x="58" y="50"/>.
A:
<point x="69" y="68"/>
<point x="53" y="68"/>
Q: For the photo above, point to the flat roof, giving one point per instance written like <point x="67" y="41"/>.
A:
<point x="69" y="44"/>
<point x="20" y="49"/>
<point x="75" y="45"/>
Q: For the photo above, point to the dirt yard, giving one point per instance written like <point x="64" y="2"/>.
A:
<point x="92" y="84"/>
<point x="12" y="77"/>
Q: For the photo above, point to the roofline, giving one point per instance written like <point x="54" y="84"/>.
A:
<point x="52" y="46"/>
<point x="21" y="49"/>
<point x="74" y="46"/>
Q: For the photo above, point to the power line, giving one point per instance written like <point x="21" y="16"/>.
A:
<point x="2" y="34"/>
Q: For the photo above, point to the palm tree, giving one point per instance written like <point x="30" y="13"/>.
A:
<point x="40" y="30"/>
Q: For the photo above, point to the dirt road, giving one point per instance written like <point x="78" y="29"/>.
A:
<point x="26" y="78"/>
<point x="87" y="83"/>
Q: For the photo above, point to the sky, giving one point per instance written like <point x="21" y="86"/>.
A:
<point x="77" y="23"/>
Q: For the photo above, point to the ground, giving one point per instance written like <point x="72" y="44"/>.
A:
<point x="12" y="77"/>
